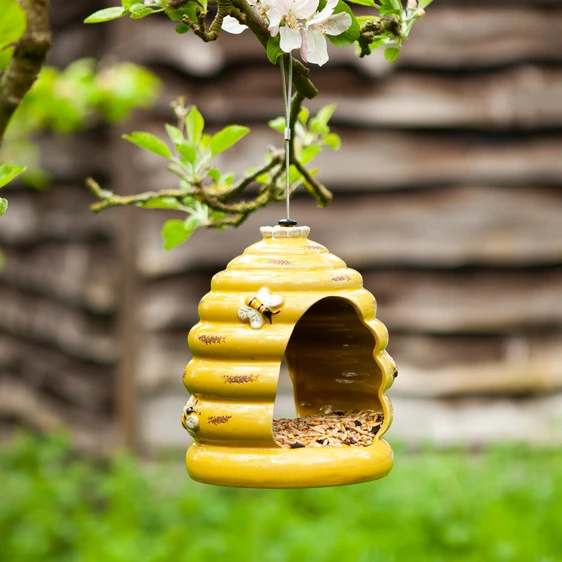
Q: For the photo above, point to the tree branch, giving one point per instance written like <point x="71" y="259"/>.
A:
<point x="199" y="28"/>
<point x="247" y="180"/>
<point x="28" y="58"/>
<point x="312" y="185"/>
<point x="371" y="29"/>
<point x="110" y="199"/>
<point x="242" y="210"/>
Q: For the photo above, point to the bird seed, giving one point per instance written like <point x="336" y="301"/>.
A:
<point x="356" y="428"/>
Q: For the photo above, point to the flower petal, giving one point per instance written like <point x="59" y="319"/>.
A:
<point x="275" y="17"/>
<point x="232" y="25"/>
<point x="324" y="14"/>
<point x="316" y="47"/>
<point x="281" y="6"/>
<point x="304" y="8"/>
<point x="337" y="24"/>
<point x="290" y="39"/>
<point x="304" y="46"/>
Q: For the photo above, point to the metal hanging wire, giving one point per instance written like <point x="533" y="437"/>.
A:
<point x="287" y="97"/>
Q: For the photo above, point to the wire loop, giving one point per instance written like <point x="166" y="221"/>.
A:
<point x="287" y="97"/>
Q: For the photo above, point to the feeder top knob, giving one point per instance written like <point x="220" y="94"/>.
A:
<point x="285" y="231"/>
<point x="287" y="222"/>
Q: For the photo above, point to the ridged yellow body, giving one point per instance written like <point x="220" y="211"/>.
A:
<point x="335" y="352"/>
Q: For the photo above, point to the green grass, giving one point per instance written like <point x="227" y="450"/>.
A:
<point x="501" y="505"/>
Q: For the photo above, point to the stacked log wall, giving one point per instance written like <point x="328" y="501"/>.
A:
<point x="58" y="299"/>
<point x="447" y="198"/>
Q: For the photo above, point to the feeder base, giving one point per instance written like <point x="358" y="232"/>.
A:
<point x="248" y="467"/>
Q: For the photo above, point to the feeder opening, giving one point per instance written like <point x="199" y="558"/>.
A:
<point x="335" y="378"/>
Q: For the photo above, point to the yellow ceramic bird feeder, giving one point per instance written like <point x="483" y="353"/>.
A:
<point x="288" y="297"/>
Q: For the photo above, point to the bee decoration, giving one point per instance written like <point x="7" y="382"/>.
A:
<point x="257" y="309"/>
<point x="189" y="420"/>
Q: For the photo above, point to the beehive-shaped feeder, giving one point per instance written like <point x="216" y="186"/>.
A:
<point x="334" y="348"/>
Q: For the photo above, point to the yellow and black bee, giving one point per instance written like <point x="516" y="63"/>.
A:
<point x="190" y="422"/>
<point x="258" y="308"/>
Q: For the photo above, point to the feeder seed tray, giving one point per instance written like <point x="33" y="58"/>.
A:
<point x="355" y="429"/>
<point x="288" y="297"/>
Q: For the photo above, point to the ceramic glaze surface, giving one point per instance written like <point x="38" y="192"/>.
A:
<point x="322" y="320"/>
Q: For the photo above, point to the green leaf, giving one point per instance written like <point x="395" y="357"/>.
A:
<point x="187" y="150"/>
<point x="214" y="174"/>
<point x="277" y="124"/>
<point x="128" y="4"/>
<point x="333" y="141"/>
<point x="391" y="53"/>
<point x="205" y="142"/>
<point x="182" y="28"/>
<point x="176" y="232"/>
<point x="304" y="114"/>
<point x="351" y="34"/>
<point x="325" y="114"/>
<point x="150" y="142"/>
<point x="174" y="133"/>
<point x="161" y="203"/>
<point x="107" y="14"/>
<point x="263" y="178"/>
<point x="3" y="206"/>
<point x="308" y="153"/>
<point x="318" y="127"/>
<point x="294" y="174"/>
<point x="424" y="3"/>
<point x="218" y="216"/>
<point x="229" y="136"/>
<point x="228" y="178"/>
<point x="12" y="22"/>
<point x="190" y="10"/>
<point x="6" y="57"/>
<point x="8" y="173"/>
<point x="363" y="2"/>
<point x="364" y="19"/>
<point x="139" y="11"/>
<point x="390" y="7"/>
<point x="195" y="124"/>
<point x="274" y="50"/>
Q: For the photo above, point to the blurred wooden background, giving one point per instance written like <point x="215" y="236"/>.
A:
<point x="448" y="200"/>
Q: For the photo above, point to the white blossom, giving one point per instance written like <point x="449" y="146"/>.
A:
<point x="300" y="26"/>
<point x="315" y="47"/>
<point x="293" y="14"/>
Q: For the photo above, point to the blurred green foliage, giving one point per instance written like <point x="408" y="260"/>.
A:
<point x="76" y="98"/>
<point x="500" y="505"/>
<point x="82" y="93"/>
<point x="12" y="27"/>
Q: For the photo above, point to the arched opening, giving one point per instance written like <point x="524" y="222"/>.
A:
<point x="335" y="378"/>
